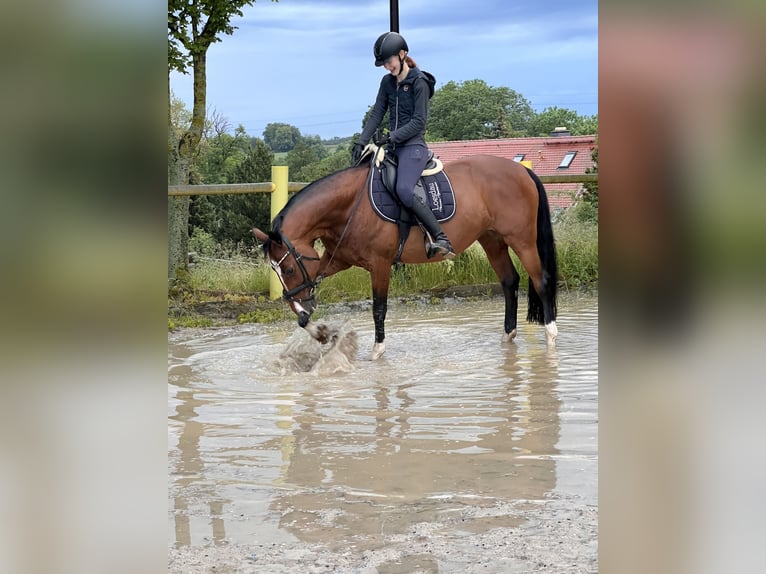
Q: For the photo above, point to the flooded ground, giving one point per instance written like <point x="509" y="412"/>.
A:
<point x="453" y="453"/>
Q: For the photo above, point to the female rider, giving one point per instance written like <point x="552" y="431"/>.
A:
<point x="405" y="92"/>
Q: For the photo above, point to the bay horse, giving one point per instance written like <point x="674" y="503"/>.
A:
<point x="500" y="203"/>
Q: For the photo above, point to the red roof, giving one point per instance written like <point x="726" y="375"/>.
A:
<point x="545" y="153"/>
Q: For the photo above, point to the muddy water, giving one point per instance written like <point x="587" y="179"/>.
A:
<point x="452" y="428"/>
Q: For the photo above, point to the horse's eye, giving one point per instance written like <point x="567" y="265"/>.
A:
<point x="289" y="271"/>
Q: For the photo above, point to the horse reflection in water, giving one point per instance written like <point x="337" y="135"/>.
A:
<point x="377" y="461"/>
<point x="500" y="203"/>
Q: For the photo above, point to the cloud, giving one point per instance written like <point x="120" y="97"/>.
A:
<point x="310" y="64"/>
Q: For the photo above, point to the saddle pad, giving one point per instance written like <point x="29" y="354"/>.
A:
<point x="438" y="188"/>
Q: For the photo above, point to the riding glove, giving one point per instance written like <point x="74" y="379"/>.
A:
<point x="356" y="153"/>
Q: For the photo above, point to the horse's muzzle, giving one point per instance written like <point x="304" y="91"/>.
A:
<point x="303" y="319"/>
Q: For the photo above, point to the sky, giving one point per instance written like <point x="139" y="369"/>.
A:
<point x="309" y="63"/>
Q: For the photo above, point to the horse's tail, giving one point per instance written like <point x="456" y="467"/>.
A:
<point x="546" y="249"/>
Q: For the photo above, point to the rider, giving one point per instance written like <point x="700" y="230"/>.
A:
<point x="405" y="92"/>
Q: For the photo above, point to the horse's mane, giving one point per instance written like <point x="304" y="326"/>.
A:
<point x="295" y="199"/>
<point x="310" y="189"/>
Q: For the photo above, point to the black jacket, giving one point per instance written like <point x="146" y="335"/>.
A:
<point x="408" y="104"/>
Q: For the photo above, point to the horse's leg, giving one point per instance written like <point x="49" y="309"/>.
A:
<point x="381" y="277"/>
<point x="497" y="254"/>
<point x="530" y="259"/>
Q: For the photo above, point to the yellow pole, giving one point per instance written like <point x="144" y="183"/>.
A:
<point x="278" y="200"/>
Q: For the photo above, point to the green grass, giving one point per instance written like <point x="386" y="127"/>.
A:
<point x="234" y="276"/>
<point x="248" y="275"/>
<point x="576" y="245"/>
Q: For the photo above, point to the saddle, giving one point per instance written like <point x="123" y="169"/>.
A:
<point x="433" y="186"/>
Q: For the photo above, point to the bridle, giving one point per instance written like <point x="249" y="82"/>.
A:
<point x="289" y="294"/>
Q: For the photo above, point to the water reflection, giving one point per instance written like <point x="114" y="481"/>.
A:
<point x="430" y="434"/>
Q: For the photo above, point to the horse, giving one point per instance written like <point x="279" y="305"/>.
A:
<point x="499" y="202"/>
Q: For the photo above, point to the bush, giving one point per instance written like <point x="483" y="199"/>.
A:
<point x="203" y="243"/>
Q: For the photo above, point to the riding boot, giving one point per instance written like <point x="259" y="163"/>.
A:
<point x="440" y="244"/>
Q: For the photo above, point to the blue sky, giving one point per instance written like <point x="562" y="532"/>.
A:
<point x="309" y="63"/>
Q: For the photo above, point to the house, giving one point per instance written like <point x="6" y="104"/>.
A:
<point x="553" y="155"/>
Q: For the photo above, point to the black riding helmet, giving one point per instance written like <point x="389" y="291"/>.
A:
<point x="388" y="45"/>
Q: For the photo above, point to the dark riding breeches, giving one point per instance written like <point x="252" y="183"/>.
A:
<point x="412" y="159"/>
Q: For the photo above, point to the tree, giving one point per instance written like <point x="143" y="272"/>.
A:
<point x="303" y="154"/>
<point x="586" y="125"/>
<point x="220" y="152"/>
<point x="193" y="26"/>
<point x="281" y="137"/>
<point x="474" y="110"/>
<point x="253" y="209"/>
<point x="545" y="122"/>
<point x="229" y="218"/>
<point x="335" y="162"/>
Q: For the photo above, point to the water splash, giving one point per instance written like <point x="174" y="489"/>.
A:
<point x="333" y="351"/>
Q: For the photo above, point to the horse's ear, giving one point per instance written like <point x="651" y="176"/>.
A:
<point x="263" y="237"/>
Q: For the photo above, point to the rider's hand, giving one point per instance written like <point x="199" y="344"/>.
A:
<point x="381" y="140"/>
<point x="356" y="153"/>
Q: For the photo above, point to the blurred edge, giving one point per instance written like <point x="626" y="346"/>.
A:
<point x="681" y="170"/>
<point x="83" y="255"/>
<point x="82" y="458"/>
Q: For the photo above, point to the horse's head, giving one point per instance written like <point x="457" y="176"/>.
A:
<point x="295" y="265"/>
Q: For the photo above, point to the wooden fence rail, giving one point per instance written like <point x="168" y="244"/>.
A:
<point x="279" y="187"/>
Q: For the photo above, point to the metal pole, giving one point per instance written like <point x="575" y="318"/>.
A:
<point x="394" y="4"/>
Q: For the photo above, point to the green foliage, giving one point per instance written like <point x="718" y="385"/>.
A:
<point x="543" y="124"/>
<point x="474" y="110"/>
<point x="577" y="248"/>
<point x="586" y="125"/>
<point x="281" y="137"/>
<point x="195" y="24"/>
<point x="576" y="245"/>
<point x="202" y="242"/>
<point x="189" y="321"/>
<point x="263" y="316"/>
<point x="306" y="152"/>
<point x="220" y="153"/>
<point x="233" y="159"/>
<point x="340" y="159"/>
<point x="590" y="190"/>
<point x="245" y="277"/>
<point x="179" y="117"/>
<point x="232" y="272"/>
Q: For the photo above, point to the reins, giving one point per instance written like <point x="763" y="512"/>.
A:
<point x="359" y="197"/>
<point x="289" y="294"/>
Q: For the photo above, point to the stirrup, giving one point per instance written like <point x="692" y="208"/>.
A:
<point x="439" y="248"/>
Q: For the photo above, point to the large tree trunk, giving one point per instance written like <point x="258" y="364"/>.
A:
<point x="179" y="171"/>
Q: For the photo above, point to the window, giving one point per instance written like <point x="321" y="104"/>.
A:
<point x="568" y="157"/>
<point x="519" y="156"/>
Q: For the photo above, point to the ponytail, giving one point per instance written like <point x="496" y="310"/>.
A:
<point x="410" y="62"/>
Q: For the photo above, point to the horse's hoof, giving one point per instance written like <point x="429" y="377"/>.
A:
<point x="377" y="351"/>
<point x="509" y="337"/>
<point x="551" y="333"/>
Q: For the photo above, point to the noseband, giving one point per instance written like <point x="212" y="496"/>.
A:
<point x="289" y="294"/>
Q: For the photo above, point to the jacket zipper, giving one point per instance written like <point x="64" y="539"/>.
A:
<point x="396" y="119"/>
